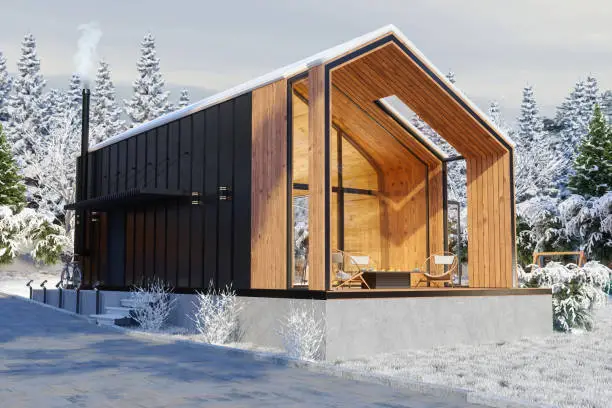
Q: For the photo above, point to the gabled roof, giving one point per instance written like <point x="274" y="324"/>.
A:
<point x="294" y="69"/>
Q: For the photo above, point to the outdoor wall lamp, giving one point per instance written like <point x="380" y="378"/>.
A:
<point x="196" y="198"/>
<point x="225" y="193"/>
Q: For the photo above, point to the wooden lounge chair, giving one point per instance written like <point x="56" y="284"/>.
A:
<point x="439" y="268"/>
<point x="361" y="262"/>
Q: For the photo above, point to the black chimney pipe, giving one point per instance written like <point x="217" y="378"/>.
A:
<point x="84" y="143"/>
<point x="81" y="216"/>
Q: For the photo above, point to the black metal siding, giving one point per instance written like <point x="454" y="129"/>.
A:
<point x="186" y="245"/>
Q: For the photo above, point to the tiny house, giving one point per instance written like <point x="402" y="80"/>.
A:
<point x="260" y="185"/>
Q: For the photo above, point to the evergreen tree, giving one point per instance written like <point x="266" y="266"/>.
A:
<point x="54" y="103"/>
<point x="184" y="99"/>
<point x="606" y="105"/>
<point x="591" y="95"/>
<point x="149" y="100"/>
<point x="105" y="112"/>
<point x="25" y="124"/>
<point x="528" y="121"/>
<point x="73" y="101"/>
<point x="536" y="164"/>
<point x="577" y="113"/>
<point x="494" y="113"/>
<point x="12" y="190"/>
<point x="593" y="166"/>
<point x="6" y="83"/>
<point x="451" y="77"/>
<point x="74" y="94"/>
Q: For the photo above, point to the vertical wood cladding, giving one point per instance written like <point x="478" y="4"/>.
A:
<point x="268" y="195"/>
<point x="187" y="245"/>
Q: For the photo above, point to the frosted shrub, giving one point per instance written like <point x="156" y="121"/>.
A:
<point x="31" y="231"/>
<point x="216" y="315"/>
<point x="302" y="331"/>
<point x="153" y="303"/>
<point x="577" y="291"/>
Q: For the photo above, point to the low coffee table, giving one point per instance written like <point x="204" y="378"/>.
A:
<point x="388" y="279"/>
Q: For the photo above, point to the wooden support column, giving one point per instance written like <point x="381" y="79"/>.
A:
<point x="317" y="237"/>
<point x="490" y="229"/>
<point x="269" y="187"/>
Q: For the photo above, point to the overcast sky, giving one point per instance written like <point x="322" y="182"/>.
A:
<point x="494" y="47"/>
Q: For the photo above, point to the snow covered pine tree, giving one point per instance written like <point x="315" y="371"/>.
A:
<point x="184" y="99"/>
<point x="25" y="123"/>
<point x="105" y="112"/>
<point x="536" y="164"/>
<point x="6" y="83"/>
<point x="150" y="100"/>
<point x="12" y="190"/>
<point x="593" y="166"/>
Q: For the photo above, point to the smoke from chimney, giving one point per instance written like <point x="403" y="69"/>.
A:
<point x="86" y="56"/>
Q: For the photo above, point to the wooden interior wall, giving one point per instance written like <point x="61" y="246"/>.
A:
<point x="489" y="224"/>
<point x="404" y="217"/>
<point x="318" y="257"/>
<point x="269" y="187"/>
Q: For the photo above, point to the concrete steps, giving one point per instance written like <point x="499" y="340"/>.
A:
<point x="131" y="303"/>
<point x="116" y="315"/>
<point x="110" y="319"/>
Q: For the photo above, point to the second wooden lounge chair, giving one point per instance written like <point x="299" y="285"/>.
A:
<point x="439" y="268"/>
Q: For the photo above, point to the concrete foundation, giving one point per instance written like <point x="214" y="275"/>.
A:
<point x="367" y="326"/>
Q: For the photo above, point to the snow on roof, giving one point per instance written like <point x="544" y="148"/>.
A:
<point x="289" y="71"/>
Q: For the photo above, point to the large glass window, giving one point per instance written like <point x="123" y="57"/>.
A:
<point x="299" y="175"/>
<point x="355" y="213"/>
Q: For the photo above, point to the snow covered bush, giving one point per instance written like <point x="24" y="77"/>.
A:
<point x="216" y="315"/>
<point x="153" y="303"/>
<point x="539" y="228"/>
<point x="302" y="331"/>
<point x="577" y="291"/>
<point x="33" y="232"/>
<point x="589" y="221"/>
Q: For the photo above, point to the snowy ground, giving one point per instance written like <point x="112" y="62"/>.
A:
<point x="14" y="276"/>
<point x="55" y="360"/>
<point x="565" y="370"/>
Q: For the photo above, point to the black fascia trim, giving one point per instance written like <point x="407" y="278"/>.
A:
<point x="453" y="158"/>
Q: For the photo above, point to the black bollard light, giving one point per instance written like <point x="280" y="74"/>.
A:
<point x="29" y="285"/>
<point x="58" y="285"/>
<point x="42" y="285"/>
